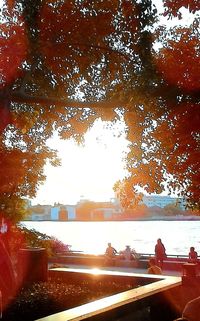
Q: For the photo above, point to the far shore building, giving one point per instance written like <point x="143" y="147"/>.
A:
<point x="86" y="210"/>
<point x="40" y="212"/>
<point x="63" y="212"/>
<point x="162" y="201"/>
<point x="104" y="213"/>
<point x="89" y="210"/>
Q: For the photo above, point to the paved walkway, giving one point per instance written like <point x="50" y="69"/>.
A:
<point x="114" y="268"/>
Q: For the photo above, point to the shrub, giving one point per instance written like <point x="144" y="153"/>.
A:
<point x="21" y="237"/>
<point x="45" y="298"/>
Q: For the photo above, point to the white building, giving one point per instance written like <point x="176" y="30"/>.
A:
<point x="162" y="201"/>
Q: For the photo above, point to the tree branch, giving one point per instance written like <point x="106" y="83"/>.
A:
<point x="107" y="49"/>
<point x="47" y="101"/>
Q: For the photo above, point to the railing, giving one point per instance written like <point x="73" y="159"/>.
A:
<point x="140" y="255"/>
<point x="172" y="256"/>
<point x="168" y="255"/>
<point x="90" y="259"/>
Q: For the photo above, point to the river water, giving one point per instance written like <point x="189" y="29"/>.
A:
<point x="92" y="237"/>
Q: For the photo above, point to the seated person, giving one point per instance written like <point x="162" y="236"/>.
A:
<point x="127" y="254"/>
<point x="136" y="255"/>
<point x="193" y="256"/>
<point x="110" y="251"/>
<point x="153" y="268"/>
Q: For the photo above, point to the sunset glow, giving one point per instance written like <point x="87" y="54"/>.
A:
<point x="88" y="171"/>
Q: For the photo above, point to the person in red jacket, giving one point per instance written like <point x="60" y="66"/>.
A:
<point x="160" y="253"/>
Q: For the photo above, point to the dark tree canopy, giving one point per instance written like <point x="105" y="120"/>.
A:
<point x="66" y="63"/>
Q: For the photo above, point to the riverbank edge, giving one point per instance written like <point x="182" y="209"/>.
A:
<point x="154" y="218"/>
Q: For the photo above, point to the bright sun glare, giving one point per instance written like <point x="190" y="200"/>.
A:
<point x="88" y="171"/>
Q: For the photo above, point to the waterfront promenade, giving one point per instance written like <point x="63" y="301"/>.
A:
<point x="113" y="268"/>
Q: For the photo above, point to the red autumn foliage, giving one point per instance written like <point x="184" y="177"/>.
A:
<point x="13" y="43"/>
<point x="179" y="62"/>
<point x="74" y="32"/>
<point x="172" y="7"/>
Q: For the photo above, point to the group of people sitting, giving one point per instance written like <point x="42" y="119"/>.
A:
<point x="155" y="263"/>
<point x="191" y="312"/>
<point x="126" y="254"/>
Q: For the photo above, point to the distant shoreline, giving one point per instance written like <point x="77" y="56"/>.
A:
<point x="161" y="218"/>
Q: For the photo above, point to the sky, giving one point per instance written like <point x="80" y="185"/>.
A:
<point x="86" y="172"/>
